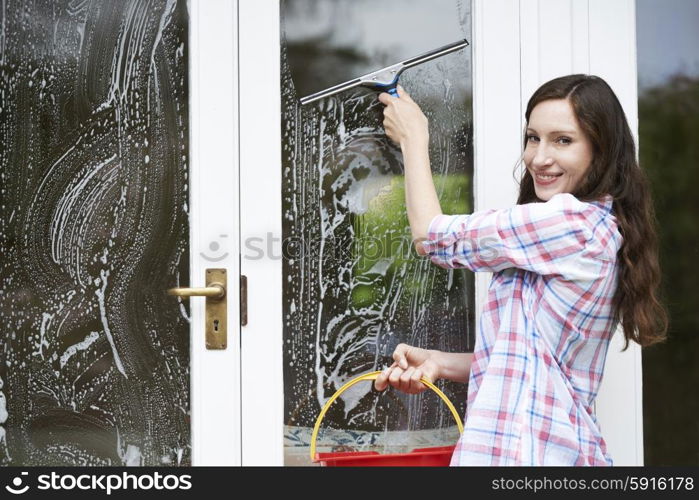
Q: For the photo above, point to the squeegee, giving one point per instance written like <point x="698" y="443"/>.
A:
<point x="385" y="79"/>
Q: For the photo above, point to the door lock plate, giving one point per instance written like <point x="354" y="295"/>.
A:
<point x="216" y="311"/>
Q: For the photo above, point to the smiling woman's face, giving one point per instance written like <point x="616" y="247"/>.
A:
<point x="556" y="147"/>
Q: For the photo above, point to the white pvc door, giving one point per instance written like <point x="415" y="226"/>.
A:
<point x="119" y="181"/>
<point x="487" y="89"/>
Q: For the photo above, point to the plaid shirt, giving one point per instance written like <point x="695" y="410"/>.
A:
<point x="545" y="328"/>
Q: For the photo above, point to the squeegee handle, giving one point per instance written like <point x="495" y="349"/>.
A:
<point x="391" y="88"/>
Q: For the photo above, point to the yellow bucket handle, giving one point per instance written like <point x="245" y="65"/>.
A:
<point x="373" y="376"/>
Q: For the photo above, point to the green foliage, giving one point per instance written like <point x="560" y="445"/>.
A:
<point x="383" y="232"/>
<point x="669" y="153"/>
<point x="383" y="242"/>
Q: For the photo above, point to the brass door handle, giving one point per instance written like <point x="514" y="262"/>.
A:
<point x="214" y="290"/>
<point x="216" y="328"/>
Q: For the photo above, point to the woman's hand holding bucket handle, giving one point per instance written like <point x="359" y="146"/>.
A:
<point x="409" y="366"/>
<point x="412" y="363"/>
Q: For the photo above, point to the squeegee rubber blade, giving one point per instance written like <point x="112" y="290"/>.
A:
<point x="433" y="54"/>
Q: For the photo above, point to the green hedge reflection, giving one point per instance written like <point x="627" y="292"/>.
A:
<point x="669" y="152"/>
<point x="383" y="233"/>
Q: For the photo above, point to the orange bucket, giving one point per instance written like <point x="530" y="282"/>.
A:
<point x="439" y="456"/>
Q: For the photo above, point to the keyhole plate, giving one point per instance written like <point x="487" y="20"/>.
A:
<point x="216" y="309"/>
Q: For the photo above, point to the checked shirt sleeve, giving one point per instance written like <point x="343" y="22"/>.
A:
<point x="548" y="238"/>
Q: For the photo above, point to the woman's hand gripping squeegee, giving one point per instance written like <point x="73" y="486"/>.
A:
<point x="385" y="79"/>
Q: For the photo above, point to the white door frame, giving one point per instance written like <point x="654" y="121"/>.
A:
<point x="214" y="215"/>
<point x="517" y="45"/>
<point x="261" y="228"/>
<point x="612" y="49"/>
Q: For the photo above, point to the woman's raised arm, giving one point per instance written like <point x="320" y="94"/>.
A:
<point x="406" y="125"/>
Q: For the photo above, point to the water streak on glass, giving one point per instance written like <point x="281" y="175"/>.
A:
<point x="94" y="357"/>
<point x="353" y="285"/>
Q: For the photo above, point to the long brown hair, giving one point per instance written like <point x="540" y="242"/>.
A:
<point x="614" y="170"/>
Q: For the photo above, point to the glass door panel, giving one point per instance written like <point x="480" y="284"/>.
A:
<point x="94" y="361"/>
<point x="353" y="286"/>
<point x="668" y="80"/>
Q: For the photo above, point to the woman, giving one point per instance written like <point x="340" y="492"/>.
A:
<point x="575" y="256"/>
